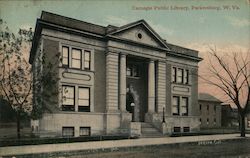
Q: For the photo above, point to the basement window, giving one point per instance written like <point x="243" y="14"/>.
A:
<point x="177" y="129"/>
<point x="186" y="129"/>
<point x="84" y="131"/>
<point x="68" y="131"/>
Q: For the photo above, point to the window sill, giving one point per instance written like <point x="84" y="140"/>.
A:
<point x="176" y="83"/>
<point x="133" y="77"/>
<point x="75" y="69"/>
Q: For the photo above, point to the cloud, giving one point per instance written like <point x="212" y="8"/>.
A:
<point x="238" y="22"/>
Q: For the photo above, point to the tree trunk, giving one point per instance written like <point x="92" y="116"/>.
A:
<point x="242" y="125"/>
<point x="18" y="124"/>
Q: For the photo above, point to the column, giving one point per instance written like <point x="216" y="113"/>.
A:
<point x="151" y="87"/>
<point x="111" y="82"/>
<point x="161" y="86"/>
<point x="122" y="95"/>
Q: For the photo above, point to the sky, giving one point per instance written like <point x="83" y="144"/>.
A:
<point x="195" y="24"/>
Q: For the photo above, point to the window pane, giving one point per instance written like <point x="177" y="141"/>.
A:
<point x="87" y="56"/>
<point x="186" y="76"/>
<point x="175" y="110"/>
<point x="82" y="102"/>
<point x="174" y="74"/>
<point x="68" y="131"/>
<point x="83" y="93"/>
<point x="65" y="51"/>
<point x="86" y="64"/>
<point x="65" y="61"/>
<point x="83" y="97"/>
<point x="68" y="95"/>
<point x="76" y="63"/>
<point x="184" y="105"/>
<point x="68" y="101"/>
<point x="76" y="53"/>
<point x="175" y="103"/>
<point x="84" y="131"/>
<point x="129" y="72"/>
<point x="180" y="75"/>
<point x="136" y="71"/>
<point x="68" y="92"/>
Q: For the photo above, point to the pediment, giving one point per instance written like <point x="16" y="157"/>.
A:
<point x="139" y="32"/>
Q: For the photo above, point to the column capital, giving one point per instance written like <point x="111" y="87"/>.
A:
<point x="151" y="60"/>
<point x="162" y="60"/>
<point x="123" y="54"/>
<point x="109" y="50"/>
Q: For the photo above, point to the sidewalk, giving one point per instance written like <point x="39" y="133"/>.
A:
<point x="50" y="148"/>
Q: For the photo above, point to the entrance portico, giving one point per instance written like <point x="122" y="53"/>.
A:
<point x="137" y="75"/>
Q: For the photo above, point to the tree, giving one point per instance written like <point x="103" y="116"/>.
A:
<point x="230" y="74"/>
<point x="15" y="75"/>
<point x="27" y="90"/>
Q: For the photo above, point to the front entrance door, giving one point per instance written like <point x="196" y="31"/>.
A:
<point x="137" y="87"/>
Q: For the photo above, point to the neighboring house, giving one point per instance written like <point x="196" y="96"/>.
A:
<point x="108" y="73"/>
<point x="210" y="111"/>
<point x="229" y="116"/>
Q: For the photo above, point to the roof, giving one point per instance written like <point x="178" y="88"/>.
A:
<point x="145" y="24"/>
<point x="182" y="50"/>
<point x="59" y="22"/>
<point x="208" y="97"/>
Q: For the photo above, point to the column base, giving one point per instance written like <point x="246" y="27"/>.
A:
<point x="126" y="118"/>
<point x="135" y="129"/>
<point x="112" y="123"/>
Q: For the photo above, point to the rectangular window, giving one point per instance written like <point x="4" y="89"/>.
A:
<point x="177" y="129"/>
<point x="207" y="107"/>
<point x="179" y="75"/>
<point x="84" y="131"/>
<point x="76" y="58"/>
<point x="214" y="120"/>
<point x="136" y="71"/>
<point x="68" y="98"/>
<point x="175" y="107"/>
<point x="68" y="131"/>
<point x="186" y="129"/>
<point x="133" y="71"/>
<point x="214" y="108"/>
<point x="129" y="71"/>
<point x="80" y="59"/>
<point x="87" y="60"/>
<point x="207" y="121"/>
<point x="184" y="106"/>
<point x="174" y="74"/>
<point x="83" y="99"/>
<point x="186" y="74"/>
<point x="65" y="58"/>
<point x="200" y="106"/>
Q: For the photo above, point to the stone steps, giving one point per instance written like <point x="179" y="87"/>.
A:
<point x="149" y="131"/>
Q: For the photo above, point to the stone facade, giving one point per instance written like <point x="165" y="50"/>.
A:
<point x="113" y="78"/>
<point x="210" y="111"/>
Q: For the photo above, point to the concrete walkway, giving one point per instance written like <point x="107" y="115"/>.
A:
<point x="49" y="148"/>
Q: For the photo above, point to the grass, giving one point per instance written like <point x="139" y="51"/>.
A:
<point x="232" y="148"/>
